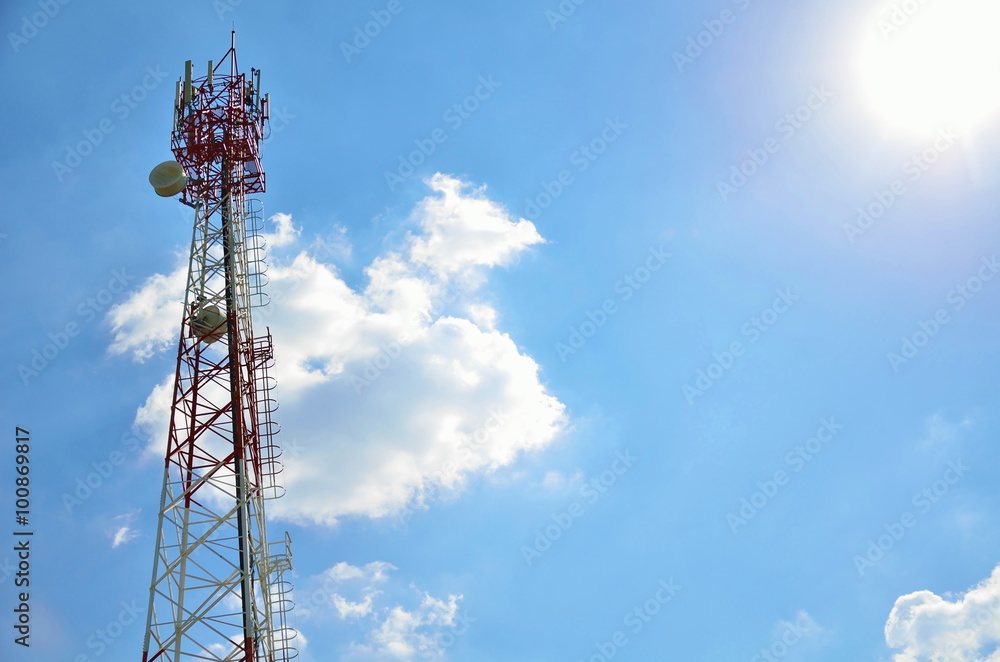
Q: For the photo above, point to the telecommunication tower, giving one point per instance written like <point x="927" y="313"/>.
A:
<point x="218" y="590"/>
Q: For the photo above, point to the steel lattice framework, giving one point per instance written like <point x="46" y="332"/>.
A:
<point x="218" y="591"/>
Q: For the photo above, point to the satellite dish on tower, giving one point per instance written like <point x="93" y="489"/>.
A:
<point x="168" y="178"/>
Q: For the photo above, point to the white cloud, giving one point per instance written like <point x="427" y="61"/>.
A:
<point x="482" y="315"/>
<point x="394" y="392"/>
<point x="405" y="635"/>
<point x="460" y="231"/>
<point x="376" y="572"/>
<point x="347" y="609"/>
<point x="370" y="576"/>
<point x="154" y="415"/>
<point x="220" y="650"/>
<point x="284" y="233"/>
<point x="926" y="627"/>
<point x="123" y="535"/>
<point x="298" y="639"/>
<point x="388" y="631"/>
<point x="146" y="322"/>
<point x="122" y="531"/>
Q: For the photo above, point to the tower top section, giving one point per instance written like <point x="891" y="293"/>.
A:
<point x="219" y="121"/>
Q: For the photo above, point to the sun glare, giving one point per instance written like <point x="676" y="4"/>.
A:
<point x="928" y="64"/>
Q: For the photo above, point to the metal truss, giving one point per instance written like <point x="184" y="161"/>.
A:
<point x="218" y="590"/>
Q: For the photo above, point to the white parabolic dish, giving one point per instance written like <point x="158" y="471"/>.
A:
<point x="168" y="178"/>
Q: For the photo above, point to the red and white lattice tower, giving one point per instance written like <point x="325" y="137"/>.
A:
<point x="218" y="590"/>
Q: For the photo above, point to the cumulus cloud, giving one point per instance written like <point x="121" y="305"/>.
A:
<point x="461" y="230"/>
<point x="374" y="573"/>
<point x="146" y="323"/>
<point x="284" y="233"/>
<point x="402" y="634"/>
<point x="421" y="628"/>
<point x="370" y="577"/>
<point x="926" y="627"/>
<point x="392" y="392"/>
<point x="153" y="416"/>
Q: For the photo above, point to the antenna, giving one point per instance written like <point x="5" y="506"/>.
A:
<point x="187" y="82"/>
<point x="178" y="110"/>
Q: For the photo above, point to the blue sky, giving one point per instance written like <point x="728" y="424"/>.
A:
<point x="679" y="322"/>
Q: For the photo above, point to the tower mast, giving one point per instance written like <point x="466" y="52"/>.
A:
<point x="218" y="590"/>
